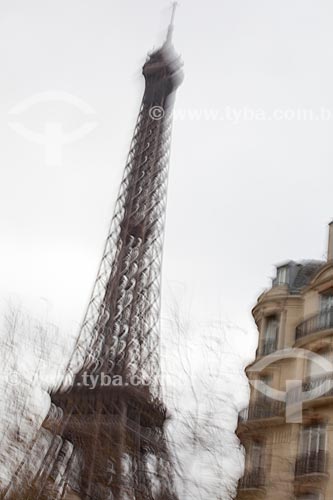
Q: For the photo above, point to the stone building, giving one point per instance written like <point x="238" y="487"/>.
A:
<point x="287" y="430"/>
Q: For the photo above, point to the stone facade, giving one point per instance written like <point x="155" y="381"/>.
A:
<point x="287" y="430"/>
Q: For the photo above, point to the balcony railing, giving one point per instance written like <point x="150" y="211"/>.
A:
<point x="317" y="323"/>
<point x="252" y="479"/>
<point x="311" y="463"/>
<point x="324" y="384"/>
<point x="262" y="408"/>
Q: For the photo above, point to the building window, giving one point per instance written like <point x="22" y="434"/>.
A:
<point x="313" y="440"/>
<point x="255" y="456"/>
<point x="254" y="472"/>
<point x="326" y="301"/>
<point x="326" y="310"/>
<point x="270" y="335"/>
<point x="312" y="456"/>
<point x="282" y="275"/>
<point x="263" y="406"/>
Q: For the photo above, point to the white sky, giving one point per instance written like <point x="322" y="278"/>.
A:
<point x="242" y="196"/>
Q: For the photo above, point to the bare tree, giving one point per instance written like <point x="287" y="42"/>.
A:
<point x="199" y="371"/>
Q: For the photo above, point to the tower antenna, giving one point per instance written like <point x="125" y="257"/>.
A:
<point x="171" y="25"/>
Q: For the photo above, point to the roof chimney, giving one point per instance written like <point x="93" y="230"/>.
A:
<point x="330" y="242"/>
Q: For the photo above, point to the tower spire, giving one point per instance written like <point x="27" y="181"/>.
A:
<point x="171" y="25"/>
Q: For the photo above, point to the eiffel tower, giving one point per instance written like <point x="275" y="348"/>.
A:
<point x="107" y="419"/>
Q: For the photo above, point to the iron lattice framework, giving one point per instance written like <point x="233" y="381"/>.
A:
<point x="109" y="442"/>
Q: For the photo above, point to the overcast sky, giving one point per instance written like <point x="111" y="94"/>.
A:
<point x="250" y="178"/>
<point x="242" y="196"/>
<point x="246" y="190"/>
